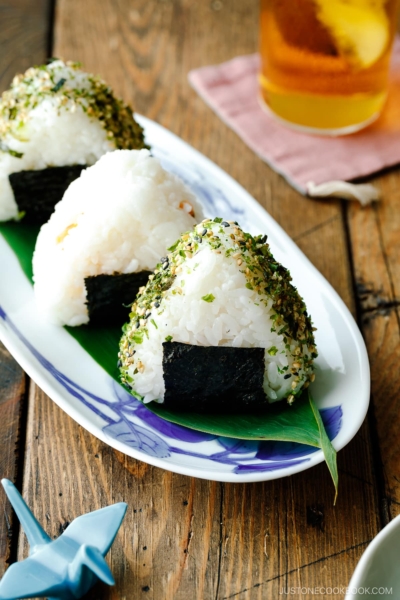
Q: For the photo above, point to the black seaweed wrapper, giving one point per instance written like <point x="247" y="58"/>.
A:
<point x="37" y="192"/>
<point x="213" y="378"/>
<point x="109" y="297"/>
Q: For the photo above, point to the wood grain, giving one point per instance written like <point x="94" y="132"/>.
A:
<point x="24" y="36"/>
<point x="12" y="401"/>
<point x="375" y="244"/>
<point x="170" y="519"/>
<point x="187" y="538"/>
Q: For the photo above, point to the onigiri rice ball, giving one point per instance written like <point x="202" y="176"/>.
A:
<point x="57" y="115"/>
<point x="118" y="217"/>
<point x="218" y="287"/>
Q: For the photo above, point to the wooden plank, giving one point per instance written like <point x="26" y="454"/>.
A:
<point x="24" y="36"/>
<point x="241" y="541"/>
<point x="12" y="386"/>
<point x="23" y="41"/>
<point x="376" y="250"/>
<point x="170" y="519"/>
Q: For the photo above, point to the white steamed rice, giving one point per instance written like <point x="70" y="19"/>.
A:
<point x="119" y="216"/>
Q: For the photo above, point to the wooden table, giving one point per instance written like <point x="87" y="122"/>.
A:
<point x="186" y="538"/>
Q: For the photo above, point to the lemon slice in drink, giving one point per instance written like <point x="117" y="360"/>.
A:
<point x="359" y="28"/>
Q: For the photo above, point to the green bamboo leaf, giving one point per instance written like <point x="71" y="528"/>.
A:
<point x="102" y="343"/>
<point x="21" y="237"/>
<point x="278" y="422"/>
<point x="326" y="446"/>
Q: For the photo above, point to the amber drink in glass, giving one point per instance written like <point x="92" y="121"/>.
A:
<point x="324" y="63"/>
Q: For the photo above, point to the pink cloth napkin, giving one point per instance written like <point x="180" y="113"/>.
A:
<point x="231" y="90"/>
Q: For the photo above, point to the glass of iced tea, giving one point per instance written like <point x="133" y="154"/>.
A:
<point x="324" y="63"/>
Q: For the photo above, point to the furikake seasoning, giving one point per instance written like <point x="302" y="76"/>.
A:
<point x="66" y="85"/>
<point x="263" y="274"/>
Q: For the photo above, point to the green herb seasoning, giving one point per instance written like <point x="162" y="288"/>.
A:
<point x="269" y="279"/>
<point x="66" y="85"/>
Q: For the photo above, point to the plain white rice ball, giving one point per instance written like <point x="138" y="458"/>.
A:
<point x="119" y="216"/>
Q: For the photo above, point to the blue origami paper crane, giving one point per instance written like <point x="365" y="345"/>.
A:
<point x="67" y="567"/>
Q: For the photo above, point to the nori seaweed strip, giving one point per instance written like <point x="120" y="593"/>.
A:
<point x="213" y="378"/>
<point x="38" y="191"/>
<point x="109" y="297"/>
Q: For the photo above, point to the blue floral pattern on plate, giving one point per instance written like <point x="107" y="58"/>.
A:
<point x="128" y="421"/>
<point x="212" y="198"/>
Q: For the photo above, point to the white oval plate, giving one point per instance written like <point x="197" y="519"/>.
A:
<point x="62" y="368"/>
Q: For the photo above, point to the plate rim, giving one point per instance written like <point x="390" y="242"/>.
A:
<point x="45" y="382"/>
